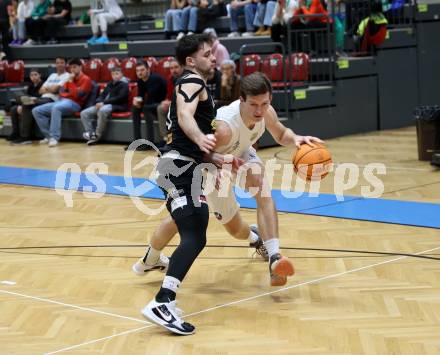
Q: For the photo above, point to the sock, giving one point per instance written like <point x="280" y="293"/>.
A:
<point x="272" y="246"/>
<point x="168" y="291"/>
<point x="151" y="256"/>
<point x="253" y="237"/>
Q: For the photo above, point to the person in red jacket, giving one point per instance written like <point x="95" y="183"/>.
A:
<point x="73" y="96"/>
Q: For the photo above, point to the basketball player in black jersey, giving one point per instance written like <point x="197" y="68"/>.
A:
<point x="190" y="123"/>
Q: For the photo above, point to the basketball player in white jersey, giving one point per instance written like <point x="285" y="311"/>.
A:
<point x="238" y="126"/>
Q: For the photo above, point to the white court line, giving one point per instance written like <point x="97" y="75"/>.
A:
<point x="332" y="276"/>
<point x="73" y="306"/>
<point x="7" y="282"/>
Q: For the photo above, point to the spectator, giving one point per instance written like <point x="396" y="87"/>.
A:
<point x="17" y="111"/>
<point x="240" y="7"/>
<point x="36" y="23"/>
<point x="73" y="96"/>
<point x="283" y="14"/>
<point x="230" y="83"/>
<point x="263" y="17"/>
<point x="219" y="50"/>
<point x="59" y="15"/>
<point x="12" y="14"/>
<point x="152" y="90"/>
<point x="215" y="8"/>
<point x="173" y="17"/>
<point x="48" y="93"/>
<point x="114" y="98"/>
<point x="101" y="18"/>
<point x="339" y="21"/>
<point x="176" y="71"/>
<point x="372" y="30"/>
<point x="4" y="26"/>
<point x="189" y="17"/>
<point x="24" y="12"/>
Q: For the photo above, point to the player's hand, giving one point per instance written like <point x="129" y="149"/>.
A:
<point x="307" y="140"/>
<point x="206" y="143"/>
<point x="219" y="160"/>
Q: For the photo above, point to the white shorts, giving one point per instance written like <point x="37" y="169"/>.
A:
<point x="223" y="202"/>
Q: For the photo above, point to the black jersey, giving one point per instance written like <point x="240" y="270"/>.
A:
<point x="204" y="116"/>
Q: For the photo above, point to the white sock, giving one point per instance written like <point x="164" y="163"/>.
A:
<point x="151" y="256"/>
<point x="272" y="246"/>
<point x="253" y="237"/>
<point x="171" y="283"/>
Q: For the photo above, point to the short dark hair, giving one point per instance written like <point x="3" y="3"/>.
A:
<point x="142" y="63"/>
<point x="35" y="70"/>
<point x="255" y="84"/>
<point x="116" y="68"/>
<point x="189" y="45"/>
<point x="62" y="58"/>
<point x="75" y="61"/>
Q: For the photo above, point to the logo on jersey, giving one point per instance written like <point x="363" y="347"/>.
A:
<point x="235" y="146"/>
<point x="214" y="125"/>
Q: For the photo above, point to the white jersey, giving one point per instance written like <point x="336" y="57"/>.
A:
<point x="242" y="137"/>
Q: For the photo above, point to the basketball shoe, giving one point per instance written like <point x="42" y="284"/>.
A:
<point x="260" y="249"/>
<point x="279" y="268"/>
<point x="167" y="315"/>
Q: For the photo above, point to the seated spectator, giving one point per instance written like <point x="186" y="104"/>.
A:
<point x="59" y="14"/>
<point x="263" y="17"/>
<point x="176" y="71"/>
<point x="22" y="108"/>
<point x="230" y="84"/>
<point x="101" y="18"/>
<point x="48" y="93"/>
<point x="73" y="95"/>
<point x="240" y="7"/>
<point x="372" y="30"/>
<point x="215" y="8"/>
<point x="12" y="15"/>
<point x="114" y="98"/>
<point x="189" y="17"/>
<point x="173" y="18"/>
<point x="36" y="23"/>
<point x="219" y="50"/>
<point x="24" y="12"/>
<point x="4" y="29"/>
<point x="84" y="19"/>
<point x="152" y="90"/>
<point x="214" y="83"/>
<point x="283" y="14"/>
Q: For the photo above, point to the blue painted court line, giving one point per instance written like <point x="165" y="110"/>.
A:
<point x="409" y="213"/>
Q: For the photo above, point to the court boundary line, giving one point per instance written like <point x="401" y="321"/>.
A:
<point x="319" y="279"/>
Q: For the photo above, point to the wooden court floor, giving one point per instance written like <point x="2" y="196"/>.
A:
<point x="360" y="287"/>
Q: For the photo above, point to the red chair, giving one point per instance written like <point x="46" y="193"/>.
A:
<point x="105" y="75"/>
<point x="163" y="67"/>
<point x="14" y="74"/>
<point x="131" y="95"/>
<point x="3" y="66"/>
<point x="251" y="63"/>
<point x="299" y="67"/>
<point x="152" y="63"/>
<point x="92" y="68"/>
<point x="273" y="67"/>
<point x="129" y="68"/>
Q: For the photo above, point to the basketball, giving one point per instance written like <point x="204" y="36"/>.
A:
<point x="312" y="163"/>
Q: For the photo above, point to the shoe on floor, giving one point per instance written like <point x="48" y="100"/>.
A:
<point x="102" y="40"/>
<point x="52" y="142"/>
<point x="167" y="315"/>
<point x="141" y="268"/>
<point x="21" y="141"/>
<point x="44" y="141"/>
<point x="280" y="267"/>
<point x="260" y="249"/>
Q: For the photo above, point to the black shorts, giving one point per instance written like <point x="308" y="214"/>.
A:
<point x="181" y="183"/>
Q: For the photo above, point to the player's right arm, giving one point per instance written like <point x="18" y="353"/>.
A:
<point x="186" y="108"/>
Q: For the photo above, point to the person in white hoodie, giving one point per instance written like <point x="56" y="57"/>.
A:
<point x="106" y="12"/>
<point x="24" y="11"/>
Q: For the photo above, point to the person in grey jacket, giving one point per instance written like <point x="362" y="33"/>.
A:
<point x="114" y="98"/>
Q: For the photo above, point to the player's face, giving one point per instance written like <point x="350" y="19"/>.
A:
<point x="255" y="107"/>
<point x="176" y="69"/>
<point x="204" y="60"/>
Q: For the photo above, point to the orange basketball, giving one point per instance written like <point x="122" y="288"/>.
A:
<point x="312" y="163"/>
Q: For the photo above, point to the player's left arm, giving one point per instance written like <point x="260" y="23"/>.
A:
<point x="285" y="136"/>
